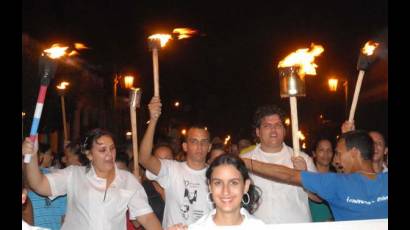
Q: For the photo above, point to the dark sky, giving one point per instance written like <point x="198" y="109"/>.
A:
<point x="223" y="74"/>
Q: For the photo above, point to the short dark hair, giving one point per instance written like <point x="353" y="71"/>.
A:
<point x="360" y="140"/>
<point x="197" y="126"/>
<point x="230" y="159"/>
<point x="267" y="110"/>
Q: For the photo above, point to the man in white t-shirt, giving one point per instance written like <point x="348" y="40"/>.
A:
<point x="280" y="203"/>
<point x="184" y="183"/>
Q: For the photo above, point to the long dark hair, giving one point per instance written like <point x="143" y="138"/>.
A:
<point x="230" y="159"/>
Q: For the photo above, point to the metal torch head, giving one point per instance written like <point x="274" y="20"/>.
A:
<point x="154" y="44"/>
<point x="364" y="61"/>
<point x="291" y="82"/>
<point x="135" y="97"/>
<point x="47" y="68"/>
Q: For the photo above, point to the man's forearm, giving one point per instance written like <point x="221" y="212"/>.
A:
<point x="274" y="171"/>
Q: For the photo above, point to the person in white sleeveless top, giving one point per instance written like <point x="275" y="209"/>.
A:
<point x="233" y="194"/>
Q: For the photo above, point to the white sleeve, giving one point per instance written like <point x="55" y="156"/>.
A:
<point x="138" y="204"/>
<point x="58" y="181"/>
<point x="310" y="164"/>
<point x="163" y="177"/>
<point x="150" y="175"/>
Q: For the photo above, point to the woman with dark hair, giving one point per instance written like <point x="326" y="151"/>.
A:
<point x="322" y="157"/>
<point x="98" y="194"/>
<point x="233" y="195"/>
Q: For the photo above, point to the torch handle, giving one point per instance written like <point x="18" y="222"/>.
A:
<point x="64" y="120"/>
<point x="356" y="95"/>
<point x="295" y="125"/>
<point x="156" y="71"/>
<point x="133" y="115"/>
<point x="36" y="119"/>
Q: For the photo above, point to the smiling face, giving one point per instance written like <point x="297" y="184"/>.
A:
<point x="271" y="133"/>
<point x="227" y="187"/>
<point x="103" y="154"/>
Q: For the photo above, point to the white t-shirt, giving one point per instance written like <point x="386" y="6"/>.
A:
<point x="207" y="222"/>
<point x="25" y="226"/>
<point x="186" y="192"/>
<point x="280" y="202"/>
<point x="90" y="205"/>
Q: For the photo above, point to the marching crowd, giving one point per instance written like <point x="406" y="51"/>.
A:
<point x="205" y="185"/>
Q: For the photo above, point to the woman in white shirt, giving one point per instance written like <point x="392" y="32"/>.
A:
<point x="233" y="195"/>
<point x="99" y="194"/>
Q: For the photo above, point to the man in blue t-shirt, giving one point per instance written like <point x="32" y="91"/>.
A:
<point x="358" y="193"/>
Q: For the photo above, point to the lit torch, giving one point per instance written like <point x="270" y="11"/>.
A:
<point x="157" y="41"/>
<point x="47" y="69"/>
<point x="366" y="57"/>
<point x="292" y="72"/>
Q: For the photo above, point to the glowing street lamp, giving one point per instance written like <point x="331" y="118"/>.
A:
<point x="183" y="132"/>
<point x="128" y="84"/>
<point x="128" y="81"/>
<point x="333" y="82"/>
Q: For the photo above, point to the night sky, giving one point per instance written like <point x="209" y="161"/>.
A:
<point x="224" y="73"/>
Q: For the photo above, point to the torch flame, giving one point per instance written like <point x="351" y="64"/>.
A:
<point x="369" y="48"/>
<point x="56" y="51"/>
<point x="80" y="46"/>
<point x="163" y="38"/>
<point x="184" y="32"/>
<point x="62" y="85"/>
<point x="72" y="53"/>
<point x="304" y="59"/>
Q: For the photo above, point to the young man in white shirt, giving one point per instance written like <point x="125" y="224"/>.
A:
<point x="280" y="203"/>
<point x="184" y="182"/>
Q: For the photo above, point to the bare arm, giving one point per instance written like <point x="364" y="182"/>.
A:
<point x="149" y="221"/>
<point x="149" y="161"/>
<point x="274" y="171"/>
<point x="36" y="180"/>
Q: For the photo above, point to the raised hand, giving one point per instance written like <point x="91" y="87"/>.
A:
<point x="347" y="126"/>
<point x="154" y="108"/>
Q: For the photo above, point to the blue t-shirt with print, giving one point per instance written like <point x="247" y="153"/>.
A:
<point x="350" y="196"/>
<point x="48" y="213"/>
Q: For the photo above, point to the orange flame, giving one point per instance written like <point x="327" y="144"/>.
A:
<point x="304" y="59"/>
<point x="369" y="48"/>
<point x="80" y="46"/>
<point x="56" y="51"/>
<point x="72" y="53"/>
<point x="163" y="38"/>
<point x="62" y="85"/>
<point x="184" y="32"/>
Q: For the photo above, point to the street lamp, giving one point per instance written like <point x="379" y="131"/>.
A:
<point x="333" y="87"/>
<point x="128" y="84"/>
<point x="61" y="89"/>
